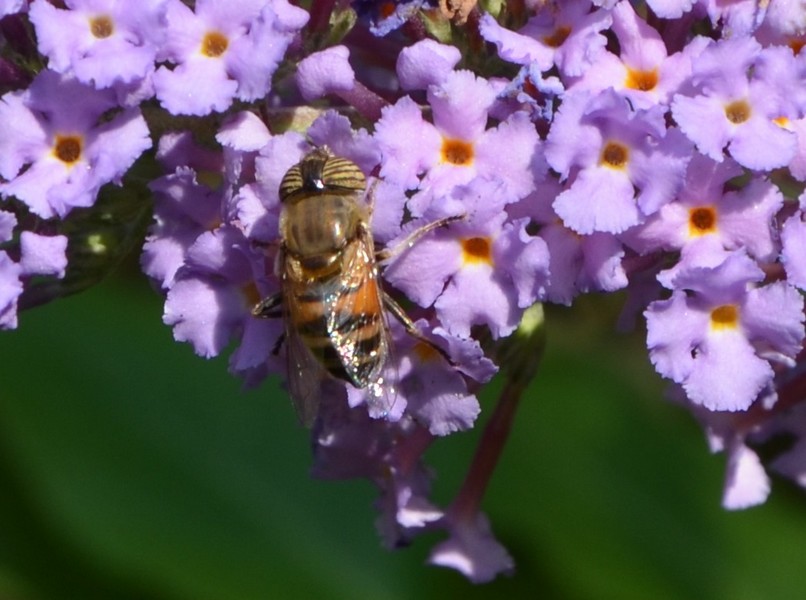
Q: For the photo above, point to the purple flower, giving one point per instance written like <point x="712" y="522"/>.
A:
<point x="223" y="51"/>
<point x="348" y="444"/>
<point x="713" y="334"/>
<point x="323" y="72"/>
<point x="671" y="9"/>
<point x="725" y="108"/>
<point x="10" y="290"/>
<point x="567" y="35"/>
<point x="43" y="254"/>
<point x="55" y="149"/>
<point x="577" y="263"/>
<point x="429" y="388"/>
<point x="480" y="271"/>
<point x="644" y="72"/>
<point x="704" y="223"/>
<point x="10" y="7"/>
<point x="607" y="151"/>
<point x="101" y="42"/>
<point x="425" y="63"/>
<point x="458" y="147"/>
<point x="211" y="298"/>
<point x="183" y="210"/>
<point x="472" y="549"/>
<point x="793" y="253"/>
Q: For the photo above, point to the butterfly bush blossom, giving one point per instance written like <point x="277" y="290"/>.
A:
<point x="656" y="147"/>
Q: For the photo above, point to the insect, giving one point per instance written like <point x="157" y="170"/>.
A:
<point x="331" y="299"/>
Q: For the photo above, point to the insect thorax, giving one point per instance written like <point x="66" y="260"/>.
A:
<point x="320" y="224"/>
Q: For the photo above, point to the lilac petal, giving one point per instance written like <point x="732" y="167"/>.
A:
<point x="672" y="332"/>
<point x="571" y="141"/>
<point x="70" y="104"/>
<point x="117" y="144"/>
<point x="257" y="341"/>
<point x="774" y="313"/>
<point x="253" y="217"/>
<point x="22" y="137"/>
<point x="43" y="254"/>
<point x="409" y="145"/>
<point x="10" y="290"/>
<point x="425" y="63"/>
<point x="565" y="252"/>
<point x="600" y="199"/>
<point x="779" y="144"/>
<point x="421" y="272"/>
<point x="703" y="121"/>
<point x="671" y="9"/>
<point x="660" y="173"/>
<point x="196" y="87"/>
<point x="8" y="221"/>
<point x="221" y="251"/>
<point x="473" y="551"/>
<point x="461" y="105"/>
<point x="524" y="259"/>
<point x="244" y="131"/>
<point x="791" y="464"/>
<point x="437" y="395"/>
<point x="205" y="312"/>
<point x="476" y="296"/>
<point x="515" y="47"/>
<point x="324" y="72"/>
<point x="52" y="190"/>
<point x="510" y="152"/>
<point x="468" y="356"/>
<point x="727" y="374"/>
<point x="602" y="264"/>
<point x="747" y="217"/>
<point x="165" y="253"/>
<point x="746" y="482"/>
<point x="793" y="255"/>
<point x="389" y="202"/>
<point x="798" y="165"/>
<point x="641" y="46"/>
<point x="10" y="7"/>
<point x="287" y="17"/>
<point x="336" y="132"/>
<point x="580" y="50"/>
<point x="253" y="58"/>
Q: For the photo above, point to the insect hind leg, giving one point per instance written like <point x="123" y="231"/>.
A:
<point x="397" y="311"/>
<point x="269" y="307"/>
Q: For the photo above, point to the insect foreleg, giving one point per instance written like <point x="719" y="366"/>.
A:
<point x="413" y="237"/>
<point x="397" y="311"/>
<point x="269" y="307"/>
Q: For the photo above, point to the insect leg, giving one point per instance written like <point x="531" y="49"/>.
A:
<point x="415" y="235"/>
<point x="397" y="311"/>
<point x="371" y="198"/>
<point x="278" y="344"/>
<point x="269" y="307"/>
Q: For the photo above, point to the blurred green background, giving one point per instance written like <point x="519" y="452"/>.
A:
<point x="130" y="468"/>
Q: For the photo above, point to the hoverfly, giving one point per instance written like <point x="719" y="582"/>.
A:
<point x="331" y="299"/>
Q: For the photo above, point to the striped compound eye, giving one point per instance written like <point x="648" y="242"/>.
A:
<point x="321" y="171"/>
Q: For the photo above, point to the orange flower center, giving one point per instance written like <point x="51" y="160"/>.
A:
<point x="214" y="44"/>
<point x="67" y="148"/>
<point x="102" y="26"/>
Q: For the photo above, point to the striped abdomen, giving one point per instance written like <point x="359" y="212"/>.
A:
<point x="338" y="314"/>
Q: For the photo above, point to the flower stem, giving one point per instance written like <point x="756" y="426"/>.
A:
<point x="519" y="357"/>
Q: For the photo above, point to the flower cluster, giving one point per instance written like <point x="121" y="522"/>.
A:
<point x="570" y="147"/>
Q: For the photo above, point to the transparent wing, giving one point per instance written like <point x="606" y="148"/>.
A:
<point x="305" y="373"/>
<point x="305" y="376"/>
<point x="357" y="326"/>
